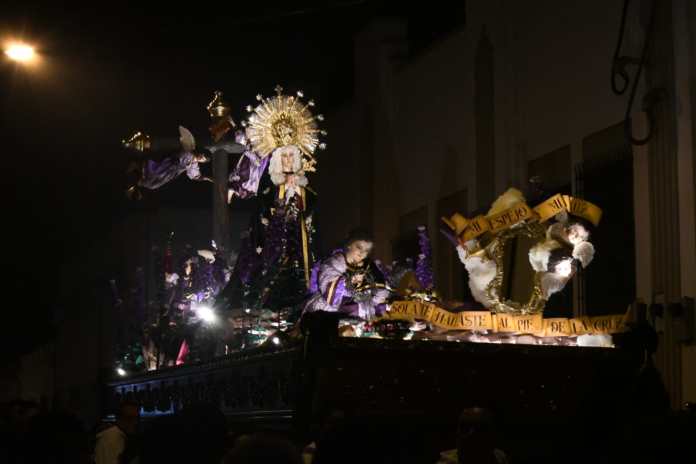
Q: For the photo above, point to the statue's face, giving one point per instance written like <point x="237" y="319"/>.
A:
<point x="287" y="158"/>
<point x="283" y="130"/>
<point x="577" y="233"/>
<point x="565" y="268"/>
<point x="358" y="251"/>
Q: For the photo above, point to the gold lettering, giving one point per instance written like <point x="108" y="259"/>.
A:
<point x="479" y="320"/>
<point x="523" y="325"/>
<point x="577" y="207"/>
<point x="579" y="326"/>
<point x="503" y="322"/>
<point x="467" y="321"/>
<point x="452" y="320"/>
<point x="438" y="317"/>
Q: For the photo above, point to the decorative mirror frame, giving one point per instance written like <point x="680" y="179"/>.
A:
<point x="536" y="302"/>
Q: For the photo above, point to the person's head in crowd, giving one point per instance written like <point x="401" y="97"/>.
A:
<point x="196" y="434"/>
<point x="475" y="435"/>
<point x="128" y="417"/>
<point x="18" y="415"/>
<point x="261" y="449"/>
<point x="204" y="424"/>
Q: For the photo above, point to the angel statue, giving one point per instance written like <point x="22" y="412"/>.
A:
<point x="565" y="248"/>
<point x="156" y="166"/>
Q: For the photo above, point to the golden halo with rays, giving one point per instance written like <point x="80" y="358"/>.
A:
<point x="283" y="120"/>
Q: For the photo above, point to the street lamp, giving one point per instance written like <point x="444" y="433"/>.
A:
<point x="20" y="52"/>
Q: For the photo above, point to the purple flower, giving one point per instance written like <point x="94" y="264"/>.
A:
<point x="424" y="264"/>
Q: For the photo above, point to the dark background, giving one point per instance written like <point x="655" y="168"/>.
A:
<point x="108" y="70"/>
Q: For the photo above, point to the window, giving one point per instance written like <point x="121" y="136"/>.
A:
<point x="450" y="274"/>
<point x="406" y="244"/>
<point x="606" y="179"/>
<point x="484" y="110"/>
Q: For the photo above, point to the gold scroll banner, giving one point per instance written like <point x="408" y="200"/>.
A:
<point x="519" y="212"/>
<point x="574" y="206"/>
<point x="468" y="229"/>
<point x="475" y="227"/>
<point x="506" y="323"/>
<point x="551" y="207"/>
<point x="583" y="209"/>
<point x="529" y="324"/>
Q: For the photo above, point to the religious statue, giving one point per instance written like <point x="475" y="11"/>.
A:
<point x="557" y="257"/>
<point x="273" y="267"/>
<point x="152" y="170"/>
<point x="349" y="282"/>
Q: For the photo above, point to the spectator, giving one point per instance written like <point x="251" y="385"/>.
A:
<point x="115" y="445"/>
<point x="476" y="440"/>
<point x="14" y="424"/>
<point x="197" y="434"/>
<point x="261" y="449"/>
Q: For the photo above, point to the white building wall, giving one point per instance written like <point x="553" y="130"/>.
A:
<point x="552" y="89"/>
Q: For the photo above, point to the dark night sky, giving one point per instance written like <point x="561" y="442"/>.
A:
<point x="107" y="72"/>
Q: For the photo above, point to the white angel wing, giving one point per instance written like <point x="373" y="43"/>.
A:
<point x="188" y="143"/>
<point x="207" y="255"/>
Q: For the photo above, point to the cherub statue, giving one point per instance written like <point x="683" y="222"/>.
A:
<point x="152" y="173"/>
<point x="557" y="257"/>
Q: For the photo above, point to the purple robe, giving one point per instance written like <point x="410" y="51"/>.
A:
<point x="158" y="173"/>
<point x="333" y="295"/>
<point x="246" y="176"/>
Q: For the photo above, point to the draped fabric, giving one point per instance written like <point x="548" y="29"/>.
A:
<point x="334" y="292"/>
<point x="158" y="173"/>
<point x="272" y="270"/>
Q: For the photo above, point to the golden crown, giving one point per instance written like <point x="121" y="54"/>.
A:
<point x="283" y="120"/>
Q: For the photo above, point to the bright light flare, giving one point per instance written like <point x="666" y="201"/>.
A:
<point x="120" y="371"/>
<point x="276" y="340"/>
<point x="206" y="314"/>
<point x="20" y="52"/>
<point x="565" y="268"/>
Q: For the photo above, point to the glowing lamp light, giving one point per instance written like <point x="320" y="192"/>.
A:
<point x="206" y="314"/>
<point x="20" y="52"/>
<point x="276" y="340"/>
<point x="120" y="371"/>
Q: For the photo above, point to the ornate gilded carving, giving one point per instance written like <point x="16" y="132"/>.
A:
<point x="497" y="251"/>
